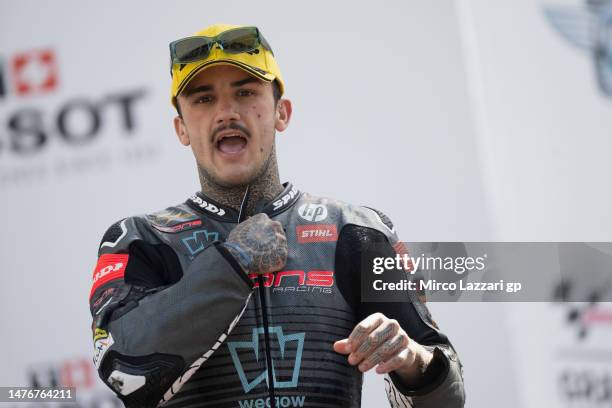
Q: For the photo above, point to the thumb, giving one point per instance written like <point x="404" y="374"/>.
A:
<point x="342" y="346"/>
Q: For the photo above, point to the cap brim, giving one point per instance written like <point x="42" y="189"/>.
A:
<point x="256" y="72"/>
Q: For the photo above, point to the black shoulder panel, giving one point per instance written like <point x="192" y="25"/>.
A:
<point x="112" y="233"/>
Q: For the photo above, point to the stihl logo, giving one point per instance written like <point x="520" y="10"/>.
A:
<point x="316" y="233"/>
<point x="32" y="72"/>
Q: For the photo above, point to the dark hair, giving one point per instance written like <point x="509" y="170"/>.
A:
<point x="276" y="91"/>
<point x="276" y="94"/>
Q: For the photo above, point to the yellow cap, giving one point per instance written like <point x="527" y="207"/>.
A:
<point x="261" y="64"/>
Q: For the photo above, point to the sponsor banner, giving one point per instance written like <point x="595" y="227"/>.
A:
<point x="564" y="353"/>
<point x="490" y="272"/>
<point x="48" y="134"/>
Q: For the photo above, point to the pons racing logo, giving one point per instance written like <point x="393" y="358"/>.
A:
<point x="296" y="281"/>
<point x="286" y="343"/>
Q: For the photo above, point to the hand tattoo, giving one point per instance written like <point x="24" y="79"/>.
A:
<point x="258" y="244"/>
<point x="375" y="339"/>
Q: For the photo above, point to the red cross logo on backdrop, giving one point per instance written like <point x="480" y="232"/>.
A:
<point x="34" y="72"/>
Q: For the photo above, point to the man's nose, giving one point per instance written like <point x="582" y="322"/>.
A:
<point x="228" y="112"/>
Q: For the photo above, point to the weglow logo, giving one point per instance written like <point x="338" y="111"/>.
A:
<point x="286" y="344"/>
<point x="588" y="29"/>
<point x="29" y="73"/>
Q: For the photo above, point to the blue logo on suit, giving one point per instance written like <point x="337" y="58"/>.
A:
<point x="199" y="240"/>
<point x="283" y="340"/>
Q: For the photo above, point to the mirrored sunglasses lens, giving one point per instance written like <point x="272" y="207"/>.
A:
<point x="236" y="41"/>
<point x="191" y="49"/>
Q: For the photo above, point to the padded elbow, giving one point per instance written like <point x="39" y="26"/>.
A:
<point x="140" y="381"/>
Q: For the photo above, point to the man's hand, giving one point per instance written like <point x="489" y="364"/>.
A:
<point x="258" y="244"/>
<point x="380" y="341"/>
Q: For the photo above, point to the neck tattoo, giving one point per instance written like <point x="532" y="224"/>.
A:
<point x="264" y="187"/>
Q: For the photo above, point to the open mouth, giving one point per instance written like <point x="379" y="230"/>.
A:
<point x="232" y="143"/>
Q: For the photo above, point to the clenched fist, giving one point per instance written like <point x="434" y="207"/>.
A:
<point x="258" y="244"/>
<point x="380" y="342"/>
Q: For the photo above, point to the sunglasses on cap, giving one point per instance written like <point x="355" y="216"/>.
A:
<point x="234" y="41"/>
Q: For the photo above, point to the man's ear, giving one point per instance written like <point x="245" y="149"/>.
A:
<point x="181" y="131"/>
<point x="283" y="114"/>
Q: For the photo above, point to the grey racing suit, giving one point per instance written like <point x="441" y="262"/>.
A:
<point x="176" y="321"/>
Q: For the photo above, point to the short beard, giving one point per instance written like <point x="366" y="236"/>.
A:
<point x="206" y="178"/>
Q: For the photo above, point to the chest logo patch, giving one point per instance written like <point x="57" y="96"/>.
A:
<point x="196" y="242"/>
<point x="288" y="344"/>
<point x="316" y="233"/>
<point x="313" y="212"/>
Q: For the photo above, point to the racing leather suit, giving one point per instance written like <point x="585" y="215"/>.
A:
<point x="177" y="322"/>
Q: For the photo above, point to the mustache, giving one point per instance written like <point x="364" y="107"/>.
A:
<point x="235" y="126"/>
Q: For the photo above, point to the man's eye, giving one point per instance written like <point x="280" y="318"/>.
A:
<point x="245" y="92"/>
<point x="203" y="99"/>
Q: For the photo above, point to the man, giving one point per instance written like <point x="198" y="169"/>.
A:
<point x="248" y="294"/>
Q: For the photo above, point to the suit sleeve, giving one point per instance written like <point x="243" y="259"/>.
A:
<point x="152" y="322"/>
<point x="442" y="383"/>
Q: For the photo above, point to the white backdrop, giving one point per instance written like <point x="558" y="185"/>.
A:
<point x="543" y="125"/>
<point x="463" y="120"/>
